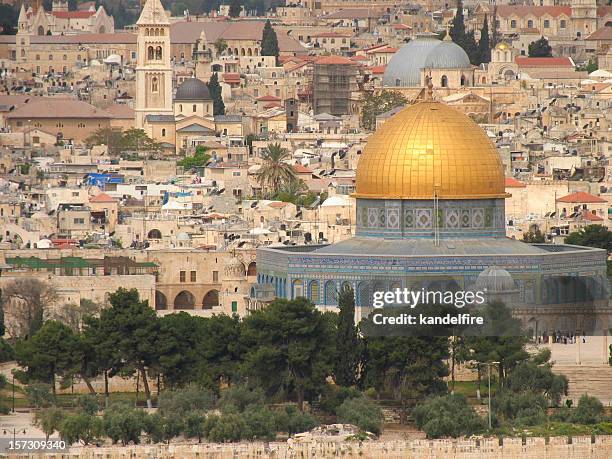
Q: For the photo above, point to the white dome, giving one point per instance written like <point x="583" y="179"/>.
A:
<point x="337" y="200"/>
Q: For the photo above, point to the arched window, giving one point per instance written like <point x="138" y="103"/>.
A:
<point x="154" y="85"/>
<point x="298" y="288"/>
<point x="163" y="133"/>
<point x="158" y="53"/>
<point x="193" y="108"/>
<point x="41" y="30"/>
<point x="313" y="291"/>
<point x="462" y="80"/>
<point x="211" y="299"/>
<point x="150" y="53"/>
<point x="249" y="52"/>
<point x="161" y="32"/>
<point x="22" y="52"/>
<point x="444" y="81"/>
<point x="530" y="24"/>
<point x="513" y="24"/>
<point x="242" y="53"/>
<point x="562" y="24"/>
<point x="331" y="294"/>
<point x="181" y="108"/>
<point x="50" y="57"/>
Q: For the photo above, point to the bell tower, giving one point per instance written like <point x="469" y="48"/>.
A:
<point x="584" y="17"/>
<point x="153" y="66"/>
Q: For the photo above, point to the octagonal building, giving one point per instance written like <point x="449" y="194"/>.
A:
<point x="430" y="214"/>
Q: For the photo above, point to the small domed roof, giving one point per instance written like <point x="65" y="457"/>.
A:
<point x="192" y="89"/>
<point x="426" y="52"/>
<point x="495" y="279"/>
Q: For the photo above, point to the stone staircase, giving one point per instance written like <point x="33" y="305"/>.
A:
<point x="592" y="379"/>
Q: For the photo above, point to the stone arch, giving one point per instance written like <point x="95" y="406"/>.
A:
<point x="508" y="74"/>
<point x="154" y="234"/>
<point x="184" y="300"/>
<point x="444" y="81"/>
<point x="161" y="302"/>
<point x="297" y="288"/>
<point x="313" y="291"/>
<point x="252" y="269"/>
<point x="249" y="52"/>
<point x="150" y="53"/>
<point x="242" y="52"/>
<point x="158" y="53"/>
<point x="463" y="80"/>
<point x="102" y="29"/>
<point x="362" y="295"/>
<point x="41" y="30"/>
<point x="331" y="294"/>
<point x="147" y="33"/>
<point x="211" y="299"/>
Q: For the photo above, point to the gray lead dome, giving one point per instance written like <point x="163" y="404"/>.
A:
<point x="192" y="89"/>
<point x="426" y="52"/>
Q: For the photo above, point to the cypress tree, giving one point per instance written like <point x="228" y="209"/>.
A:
<point x="471" y="47"/>
<point x="215" y="92"/>
<point x="457" y="31"/>
<point x="484" y="45"/>
<point x="269" y="41"/>
<point x="347" y="341"/>
<point x="234" y="8"/>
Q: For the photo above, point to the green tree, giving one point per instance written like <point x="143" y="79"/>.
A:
<point x="275" y="171"/>
<point x="457" y="31"/>
<point x="269" y="41"/>
<point x="225" y="428"/>
<point x="137" y="140"/>
<point x="288" y="348"/>
<point x="234" y="8"/>
<point x="220" y="46"/>
<point x="39" y="395"/>
<point x="261" y="423"/>
<point x="124" y="423"/>
<point x="199" y="159"/>
<point x="363" y="413"/>
<point x="377" y="104"/>
<point x="28" y="299"/>
<point x="49" y="420"/>
<point x="534" y="236"/>
<point x="471" y="47"/>
<point x="194" y="425"/>
<point x="540" y="48"/>
<point x="448" y="416"/>
<point x="53" y="351"/>
<point x="291" y="420"/>
<point x="589" y="410"/>
<point x="81" y="427"/>
<point x="591" y="236"/>
<point x="214" y="88"/>
<point x="238" y="398"/>
<point x="180" y="335"/>
<point x="8" y="19"/>
<point x="220" y="352"/>
<point x="112" y="138"/>
<point x="347" y="341"/>
<point x="131" y="329"/>
<point x="484" y="44"/>
<point x="181" y="401"/>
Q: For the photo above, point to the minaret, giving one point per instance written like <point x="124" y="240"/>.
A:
<point x="153" y="67"/>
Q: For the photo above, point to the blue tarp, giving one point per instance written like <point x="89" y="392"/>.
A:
<point x="100" y="180"/>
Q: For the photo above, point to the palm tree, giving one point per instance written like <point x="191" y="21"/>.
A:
<point x="275" y="172"/>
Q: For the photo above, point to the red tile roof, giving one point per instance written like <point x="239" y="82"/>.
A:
<point x="538" y="11"/>
<point x="102" y="197"/>
<point x="272" y="105"/>
<point x="378" y="69"/>
<point x="604" y="33"/>
<point x="386" y="49"/>
<point x="334" y="60"/>
<point x="268" y="99"/>
<point x="299" y="169"/>
<point x="277" y="204"/>
<point x="580" y="197"/>
<point x="586" y="215"/>
<point x="544" y="62"/>
<point x="231" y="77"/>
<point x="73" y="14"/>
<point x="402" y="27"/>
<point x="511" y="182"/>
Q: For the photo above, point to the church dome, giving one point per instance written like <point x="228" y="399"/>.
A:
<point x="428" y="146"/>
<point x="426" y="52"/>
<point x="192" y="89"/>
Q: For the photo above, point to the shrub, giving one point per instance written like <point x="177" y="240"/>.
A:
<point x="526" y="408"/>
<point x="182" y="401"/>
<point x="39" y="395"/>
<point x="124" y="423"/>
<point x="588" y="411"/>
<point x="260" y="423"/>
<point x="81" y="427"/>
<point x="362" y="412"/>
<point x="238" y="398"/>
<point x="226" y="428"/>
<point x="448" y="416"/>
<point x="333" y="396"/>
<point x="88" y="403"/>
<point x="291" y="420"/>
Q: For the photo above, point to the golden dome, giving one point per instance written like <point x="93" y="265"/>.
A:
<point x="503" y="46"/>
<point x="429" y="145"/>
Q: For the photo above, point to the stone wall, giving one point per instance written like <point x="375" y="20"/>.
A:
<point x="598" y="447"/>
